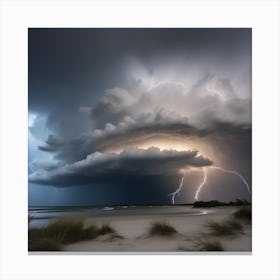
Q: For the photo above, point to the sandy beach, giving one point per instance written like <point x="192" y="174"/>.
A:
<point x="190" y="229"/>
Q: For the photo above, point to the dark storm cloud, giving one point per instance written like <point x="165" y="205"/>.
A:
<point x="98" y="167"/>
<point x="120" y="117"/>
<point x="70" y="68"/>
<point x="103" y="89"/>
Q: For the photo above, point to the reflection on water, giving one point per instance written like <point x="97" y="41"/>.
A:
<point x="41" y="216"/>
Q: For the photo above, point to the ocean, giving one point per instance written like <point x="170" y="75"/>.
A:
<point x="41" y="216"/>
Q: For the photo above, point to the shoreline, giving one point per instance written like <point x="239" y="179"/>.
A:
<point x="41" y="218"/>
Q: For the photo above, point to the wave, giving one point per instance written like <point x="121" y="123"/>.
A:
<point x="108" y="208"/>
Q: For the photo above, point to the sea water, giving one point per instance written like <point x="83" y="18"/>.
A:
<point x="41" y="216"/>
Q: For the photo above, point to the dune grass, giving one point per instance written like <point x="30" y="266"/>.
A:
<point x="162" y="229"/>
<point x="105" y="229"/>
<point x="44" y="244"/>
<point x="63" y="231"/>
<point x="225" y="228"/>
<point x="244" y="214"/>
<point x="208" y="245"/>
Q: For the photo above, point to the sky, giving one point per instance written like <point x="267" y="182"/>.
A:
<point x="119" y="116"/>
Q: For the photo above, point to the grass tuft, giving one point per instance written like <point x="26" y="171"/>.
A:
<point x="225" y="228"/>
<point x="207" y="245"/>
<point x="162" y="228"/>
<point x="58" y="233"/>
<point x="65" y="231"/>
<point x="69" y="230"/>
<point x="244" y="213"/>
<point x="44" y="244"/>
<point x="105" y="229"/>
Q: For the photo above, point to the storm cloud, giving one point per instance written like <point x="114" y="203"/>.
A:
<point x="110" y="105"/>
<point x="122" y="118"/>
<point x="134" y="162"/>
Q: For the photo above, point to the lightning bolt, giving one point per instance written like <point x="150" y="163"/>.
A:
<point x="235" y="173"/>
<point x="178" y="189"/>
<point x="202" y="183"/>
<point x="224" y="170"/>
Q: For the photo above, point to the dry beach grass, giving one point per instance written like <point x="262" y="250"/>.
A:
<point x="221" y="229"/>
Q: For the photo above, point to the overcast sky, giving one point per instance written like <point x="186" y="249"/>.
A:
<point x="118" y="116"/>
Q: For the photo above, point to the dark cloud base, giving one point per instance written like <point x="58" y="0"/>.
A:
<point x="131" y="163"/>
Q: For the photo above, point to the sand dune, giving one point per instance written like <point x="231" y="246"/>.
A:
<point x="190" y="228"/>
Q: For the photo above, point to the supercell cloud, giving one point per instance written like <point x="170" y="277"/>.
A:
<point x="111" y="105"/>
<point x="135" y="162"/>
<point x="122" y="118"/>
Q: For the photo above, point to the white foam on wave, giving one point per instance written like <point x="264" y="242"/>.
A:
<point x="108" y="208"/>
